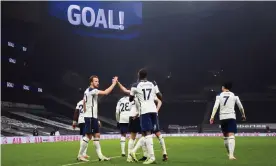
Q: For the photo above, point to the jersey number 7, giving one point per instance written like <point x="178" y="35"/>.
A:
<point x="226" y="99"/>
<point x="146" y="93"/>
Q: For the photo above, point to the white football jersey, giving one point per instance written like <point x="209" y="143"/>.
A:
<point x="145" y="91"/>
<point x="226" y="101"/>
<point x="123" y="110"/>
<point x="91" y="102"/>
<point x="81" y="113"/>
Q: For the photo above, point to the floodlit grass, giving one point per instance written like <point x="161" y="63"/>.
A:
<point x="189" y="151"/>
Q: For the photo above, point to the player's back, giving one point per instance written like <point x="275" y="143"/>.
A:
<point x="227" y="101"/>
<point x="123" y="108"/>
<point x="146" y="92"/>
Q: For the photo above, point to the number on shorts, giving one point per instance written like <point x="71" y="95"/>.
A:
<point x="146" y="93"/>
<point x="226" y="99"/>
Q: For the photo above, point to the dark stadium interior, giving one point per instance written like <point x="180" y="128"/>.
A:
<point x="189" y="49"/>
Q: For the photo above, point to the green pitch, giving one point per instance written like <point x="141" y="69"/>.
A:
<point x="250" y="151"/>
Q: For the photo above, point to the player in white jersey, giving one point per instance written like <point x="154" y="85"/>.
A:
<point x="145" y="91"/>
<point x="226" y="101"/>
<point x="156" y="131"/>
<point x="122" y="116"/>
<point x="141" y="141"/>
<point x="134" y="122"/>
<point x="90" y="103"/>
<point x="79" y="119"/>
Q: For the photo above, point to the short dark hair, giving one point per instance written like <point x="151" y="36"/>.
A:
<point x="227" y="85"/>
<point x="143" y="73"/>
<point x="92" y="77"/>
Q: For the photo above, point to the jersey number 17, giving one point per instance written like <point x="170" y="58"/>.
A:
<point x="146" y="93"/>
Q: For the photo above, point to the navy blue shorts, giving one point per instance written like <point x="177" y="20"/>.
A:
<point x="91" y="126"/>
<point x="124" y="128"/>
<point x="228" y="126"/>
<point x="134" y="125"/>
<point x="82" y="128"/>
<point x="156" y="128"/>
<point x="149" y="122"/>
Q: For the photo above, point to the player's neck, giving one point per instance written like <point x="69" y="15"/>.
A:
<point x="144" y="79"/>
<point x="226" y="90"/>
<point x="91" y="86"/>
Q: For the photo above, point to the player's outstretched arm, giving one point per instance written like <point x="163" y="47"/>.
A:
<point x="125" y="90"/>
<point x="109" y="89"/>
<point x="214" y="110"/>
<point x="159" y="104"/>
<point x="132" y="93"/>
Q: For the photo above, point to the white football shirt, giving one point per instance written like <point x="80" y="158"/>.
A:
<point x="123" y="109"/>
<point x="81" y="113"/>
<point x="91" y="102"/>
<point x="145" y="91"/>
<point x="134" y="111"/>
<point x="226" y="101"/>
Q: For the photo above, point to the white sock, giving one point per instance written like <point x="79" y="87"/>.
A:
<point x="138" y="145"/>
<point x="226" y="144"/>
<point x="85" y="150"/>
<point x="231" y="144"/>
<point x="83" y="146"/>
<point x="162" y="143"/>
<point x="130" y="145"/>
<point x="144" y="148"/>
<point x="149" y="144"/>
<point x="97" y="145"/>
<point x="123" y="144"/>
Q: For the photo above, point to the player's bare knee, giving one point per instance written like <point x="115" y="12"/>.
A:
<point x="158" y="134"/>
<point x="231" y="134"/>
<point x="148" y="133"/>
<point x="89" y="136"/>
<point x="97" y="135"/>
<point x="133" y="136"/>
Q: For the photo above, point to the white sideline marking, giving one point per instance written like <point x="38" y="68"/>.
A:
<point x="92" y="161"/>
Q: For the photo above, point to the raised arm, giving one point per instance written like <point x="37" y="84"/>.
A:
<point x="125" y="90"/>
<point x="109" y="89"/>
<point x="132" y="93"/>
